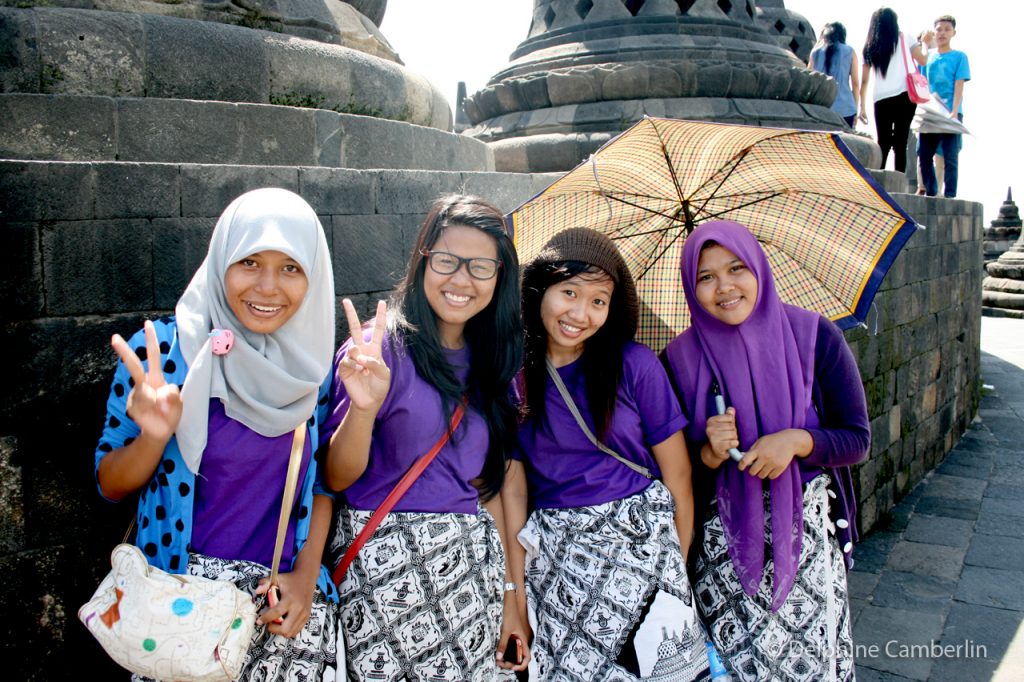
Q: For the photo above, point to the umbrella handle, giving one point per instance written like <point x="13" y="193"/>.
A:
<point x="735" y="454"/>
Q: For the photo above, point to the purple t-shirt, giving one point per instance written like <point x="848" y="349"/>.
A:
<point x="564" y="469"/>
<point x="236" y="507"/>
<point x="409" y="423"/>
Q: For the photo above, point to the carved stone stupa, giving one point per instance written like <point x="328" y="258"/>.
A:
<point x="1003" y="290"/>
<point x="1004" y="230"/>
<point x="590" y="68"/>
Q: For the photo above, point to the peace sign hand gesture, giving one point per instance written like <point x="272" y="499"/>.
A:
<point x="366" y="377"/>
<point x="153" y="404"/>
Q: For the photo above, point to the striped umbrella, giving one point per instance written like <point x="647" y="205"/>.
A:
<point x="830" y="231"/>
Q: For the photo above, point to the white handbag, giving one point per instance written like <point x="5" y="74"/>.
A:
<point x="180" y="627"/>
<point x="169" y="627"/>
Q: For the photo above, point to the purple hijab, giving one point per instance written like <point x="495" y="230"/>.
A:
<point x="765" y="368"/>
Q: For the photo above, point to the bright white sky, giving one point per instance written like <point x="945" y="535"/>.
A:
<point x="448" y="41"/>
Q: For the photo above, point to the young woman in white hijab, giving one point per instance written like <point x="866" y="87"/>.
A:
<point x="200" y="420"/>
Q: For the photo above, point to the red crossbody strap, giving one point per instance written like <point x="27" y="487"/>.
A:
<point x="393" y="497"/>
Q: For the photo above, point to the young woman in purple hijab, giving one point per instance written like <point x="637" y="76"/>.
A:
<point x="770" y="573"/>
<point x="602" y="537"/>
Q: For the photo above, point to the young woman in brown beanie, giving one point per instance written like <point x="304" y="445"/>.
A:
<point x="599" y="491"/>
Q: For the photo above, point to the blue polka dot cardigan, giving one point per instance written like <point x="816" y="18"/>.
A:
<point x="164" y="518"/>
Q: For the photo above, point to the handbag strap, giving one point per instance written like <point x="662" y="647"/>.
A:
<point x="290" y="482"/>
<point x="571" y="404"/>
<point x="903" y="53"/>
<point x="394" y="496"/>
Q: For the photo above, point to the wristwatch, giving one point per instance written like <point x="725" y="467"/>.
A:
<point x="511" y="587"/>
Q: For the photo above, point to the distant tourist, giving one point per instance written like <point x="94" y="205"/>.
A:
<point x="778" y="385"/>
<point x="834" y="57"/>
<point x="947" y="70"/>
<point x="886" y="58"/>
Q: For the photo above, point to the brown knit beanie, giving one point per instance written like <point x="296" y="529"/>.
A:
<point x="590" y="246"/>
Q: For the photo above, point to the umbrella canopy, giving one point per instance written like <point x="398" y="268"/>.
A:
<point x="934" y="117"/>
<point x="830" y="231"/>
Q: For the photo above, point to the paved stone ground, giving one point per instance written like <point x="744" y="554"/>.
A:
<point x="946" y="568"/>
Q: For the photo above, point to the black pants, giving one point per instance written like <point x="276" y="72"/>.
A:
<point x="892" y="121"/>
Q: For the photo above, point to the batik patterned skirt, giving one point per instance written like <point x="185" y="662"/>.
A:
<point x="422" y="601"/>
<point x="310" y="655"/>
<point x="808" y="638"/>
<point x="598" y="577"/>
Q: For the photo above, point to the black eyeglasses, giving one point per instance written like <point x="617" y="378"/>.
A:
<point x="444" y="263"/>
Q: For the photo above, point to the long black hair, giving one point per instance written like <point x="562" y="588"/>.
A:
<point x="883" y="39"/>
<point x="602" y="354"/>
<point x="494" y="335"/>
<point x="834" y="33"/>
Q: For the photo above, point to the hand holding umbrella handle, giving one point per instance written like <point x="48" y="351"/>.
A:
<point x="735" y="454"/>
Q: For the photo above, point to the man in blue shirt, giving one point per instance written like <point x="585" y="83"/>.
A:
<point x="947" y="70"/>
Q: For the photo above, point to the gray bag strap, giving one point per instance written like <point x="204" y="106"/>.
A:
<point x="571" y="404"/>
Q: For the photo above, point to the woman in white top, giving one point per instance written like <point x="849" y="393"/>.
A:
<point x="884" y="57"/>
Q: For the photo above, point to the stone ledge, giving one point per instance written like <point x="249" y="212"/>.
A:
<point x="93" y="128"/>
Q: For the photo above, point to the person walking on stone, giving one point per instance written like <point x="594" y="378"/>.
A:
<point x="886" y="62"/>
<point x="210" y="458"/>
<point x="602" y="537"/>
<point x="428" y="596"/>
<point x="946" y="70"/>
<point x="778" y="385"/>
<point x="832" y="56"/>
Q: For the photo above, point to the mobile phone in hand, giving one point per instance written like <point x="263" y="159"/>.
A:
<point x="514" y="650"/>
<point x="274" y="596"/>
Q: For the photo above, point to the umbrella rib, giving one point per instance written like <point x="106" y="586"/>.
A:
<point x="643" y="208"/>
<point x="712" y="216"/>
<point x="737" y="161"/>
<point x="652" y="261"/>
<point x="668" y="162"/>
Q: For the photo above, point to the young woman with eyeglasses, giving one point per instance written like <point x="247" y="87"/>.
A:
<point x="426" y="597"/>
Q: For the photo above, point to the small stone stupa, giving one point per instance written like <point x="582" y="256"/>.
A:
<point x="1003" y="290"/>
<point x="1004" y="230"/>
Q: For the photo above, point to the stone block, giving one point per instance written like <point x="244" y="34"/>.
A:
<point x="204" y="61"/>
<point x="412" y="192"/>
<point x="535" y="92"/>
<point x="178" y="130"/>
<point x="21" y="63"/>
<point x="136" y="190"/>
<point x="77" y="268"/>
<point x="278" y="136"/>
<point x="21" y="282"/>
<point x="57" y="127"/>
<point x="12" y="508"/>
<point x="328" y="134"/>
<point x="35" y="190"/>
<point x="993" y="587"/>
<point x="93" y="53"/>
<point x="207" y="190"/>
<point x="338" y="191"/>
<point x="370" y="251"/>
<point x="572" y="87"/>
<point x="505" y="190"/>
<point x="912" y="592"/>
<point x="179" y="247"/>
<point x="876" y="630"/>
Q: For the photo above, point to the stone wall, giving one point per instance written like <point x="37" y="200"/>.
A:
<point x="94" y="248"/>
<point x="920" y="354"/>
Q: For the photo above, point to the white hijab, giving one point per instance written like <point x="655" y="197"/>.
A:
<point x="269" y="382"/>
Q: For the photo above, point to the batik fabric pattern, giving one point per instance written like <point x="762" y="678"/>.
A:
<point x="596" y="574"/>
<point x="310" y="655"/>
<point x="422" y="600"/>
<point x="809" y="637"/>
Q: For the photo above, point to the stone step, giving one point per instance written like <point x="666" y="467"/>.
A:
<point x="96" y="128"/>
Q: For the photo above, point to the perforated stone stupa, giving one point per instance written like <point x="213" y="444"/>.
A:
<point x="590" y="68"/>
